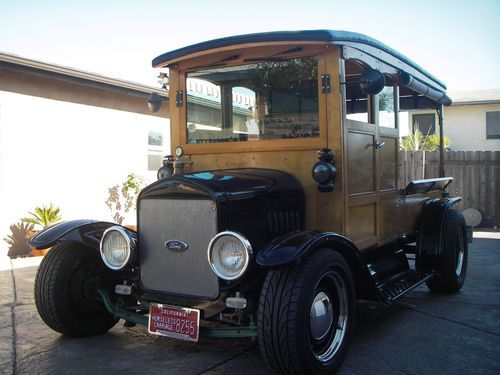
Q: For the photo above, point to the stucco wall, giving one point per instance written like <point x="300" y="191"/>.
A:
<point x="466" y="127"/>
<point x="68" y="154"/>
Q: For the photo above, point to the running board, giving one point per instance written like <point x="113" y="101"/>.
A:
<point x="398" y="286"/>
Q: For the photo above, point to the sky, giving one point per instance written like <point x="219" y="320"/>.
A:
<point x="457" y="41"/>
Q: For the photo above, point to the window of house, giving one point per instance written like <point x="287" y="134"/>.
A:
<point x="493" y="125"/>
<point x="156" y="150"/>
<point x="425" y="122"/>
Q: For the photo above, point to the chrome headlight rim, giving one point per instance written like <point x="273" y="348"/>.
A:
<point x="248" y="254"/>
<point x="130" y="244"/>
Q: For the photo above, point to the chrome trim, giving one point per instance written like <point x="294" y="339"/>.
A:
<point x="329" y="343"/>
<point x="246" y="244"/>
<point x="130" y="243"/>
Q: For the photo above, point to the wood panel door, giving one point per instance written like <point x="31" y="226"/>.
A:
<point x="362" y="183"/>
<point x="372" y="199"/>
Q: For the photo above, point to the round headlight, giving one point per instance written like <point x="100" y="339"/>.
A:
<point x="229" y="254"/>
<point x="116" y="247"/>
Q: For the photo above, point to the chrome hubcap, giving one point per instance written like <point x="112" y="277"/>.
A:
<point x="460" y="255"/>
<point x="321" y="316"/>
<point x="328" y="316"/>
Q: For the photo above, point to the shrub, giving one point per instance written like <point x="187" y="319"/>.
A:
<point x="18" y="240"/>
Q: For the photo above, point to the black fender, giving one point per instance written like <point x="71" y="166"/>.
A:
<point x="430" y="233"/>
<point x="294" y="247"/>
<point x="88" y="232"/>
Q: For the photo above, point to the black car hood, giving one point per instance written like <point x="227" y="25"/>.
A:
<point x="231" y="184"/>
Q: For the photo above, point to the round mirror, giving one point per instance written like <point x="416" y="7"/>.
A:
<point x="154" y="102"/>
<point x="372" y="82"/>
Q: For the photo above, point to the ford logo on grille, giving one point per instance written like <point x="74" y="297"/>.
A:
<point x="176" y="245"/>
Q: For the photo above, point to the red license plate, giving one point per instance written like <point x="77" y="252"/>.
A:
<point x="176" y="322"/>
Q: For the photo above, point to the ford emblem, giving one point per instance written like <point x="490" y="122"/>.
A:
<point x="176" y="245"/>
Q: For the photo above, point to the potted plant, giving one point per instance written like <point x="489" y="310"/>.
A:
<point x="41" y="218"/>
<point x="18" y="240"/>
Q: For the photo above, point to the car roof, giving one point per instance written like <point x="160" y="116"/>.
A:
<point x="359" y="41"/>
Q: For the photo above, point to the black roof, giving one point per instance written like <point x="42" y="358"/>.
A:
<point x="359" y="41"/>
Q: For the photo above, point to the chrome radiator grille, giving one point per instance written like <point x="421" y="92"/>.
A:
<point x="177" y="272"/>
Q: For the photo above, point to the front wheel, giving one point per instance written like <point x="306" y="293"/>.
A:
<point x="65" y="291"/>
<point x="306" y="315"/>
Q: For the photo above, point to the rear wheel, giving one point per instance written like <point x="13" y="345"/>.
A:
<point x="306" y="315"/>
<point x="65" y="291"/>
<point x="450" y="276"/>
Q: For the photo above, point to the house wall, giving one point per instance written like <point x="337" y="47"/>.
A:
<point x="465" y="125"/>
<point x="68" y="154"/>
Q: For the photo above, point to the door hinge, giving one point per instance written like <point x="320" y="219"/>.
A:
<point x="179" y="98"/>
<point x="326" y="87"/>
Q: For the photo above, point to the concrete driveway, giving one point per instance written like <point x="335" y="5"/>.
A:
<point x="422" y="334"/>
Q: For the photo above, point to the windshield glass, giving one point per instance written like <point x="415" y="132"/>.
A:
<point x="267" y="100"/>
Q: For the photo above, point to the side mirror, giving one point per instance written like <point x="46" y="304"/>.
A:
<point x="154" y="102"/>
<point x="372" y="82"/>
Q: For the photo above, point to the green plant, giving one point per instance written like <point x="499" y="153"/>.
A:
<point x="17" y="240"/>
<point x="123" y="198"/>
<point x="43" y="216"/>
<point x="417" y="141"/>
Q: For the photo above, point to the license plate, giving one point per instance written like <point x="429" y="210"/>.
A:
<point x="175" y="322"/>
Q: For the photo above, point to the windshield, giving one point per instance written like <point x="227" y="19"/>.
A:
<point x="267" y="100"/>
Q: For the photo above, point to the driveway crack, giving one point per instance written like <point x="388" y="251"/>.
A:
<point x="449" y="320"/>
<point x="13" y="321"/>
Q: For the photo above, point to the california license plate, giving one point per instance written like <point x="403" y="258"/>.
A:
<point x="176" y="322"/>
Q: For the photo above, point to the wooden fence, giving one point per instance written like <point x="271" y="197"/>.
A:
<point x="476" y="177"/>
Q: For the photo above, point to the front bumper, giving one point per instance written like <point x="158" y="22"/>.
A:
<point x="208" y="329"/>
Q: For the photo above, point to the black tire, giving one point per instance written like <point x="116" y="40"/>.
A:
<point x="289" y="338"/>
<point x="65" y="291"/>
<point x="450" y="275"/>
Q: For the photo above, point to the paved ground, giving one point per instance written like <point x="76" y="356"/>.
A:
<point x="422" y="334"/>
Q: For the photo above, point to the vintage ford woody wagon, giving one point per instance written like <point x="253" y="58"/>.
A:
<point x="280" y="209"/>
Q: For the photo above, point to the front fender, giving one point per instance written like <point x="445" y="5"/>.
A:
<point x="88" y="232"/>
<point x="296" y="246"/>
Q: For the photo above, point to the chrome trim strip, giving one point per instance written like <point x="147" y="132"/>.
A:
<point x="130" y="243"/>
<point x="246" y="244"/>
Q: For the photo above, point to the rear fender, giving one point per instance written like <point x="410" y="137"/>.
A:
<point x="295" y="247"/>
<point x="88" y="232"/>
<point x="430" y="235"/>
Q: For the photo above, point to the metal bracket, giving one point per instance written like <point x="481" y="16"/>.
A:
<point x="326" y="86"/>
<point x="179" y="98"/>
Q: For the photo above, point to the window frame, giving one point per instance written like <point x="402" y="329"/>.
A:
<point x="497" y="135"/>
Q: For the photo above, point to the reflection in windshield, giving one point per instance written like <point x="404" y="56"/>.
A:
<point x="267" y="100"/>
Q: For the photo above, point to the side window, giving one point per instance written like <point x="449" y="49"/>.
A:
<point x="493" y="125"/>
<point x="387" y="116"/>
<point x="356" y="101"/>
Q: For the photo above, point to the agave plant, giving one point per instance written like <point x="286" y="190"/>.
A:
<point x="17" y="240"/>
<point x="43" y="216"/>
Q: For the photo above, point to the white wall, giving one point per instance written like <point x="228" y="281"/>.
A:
<point x="466" y="127"/>
<point x="68" y="154"/>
